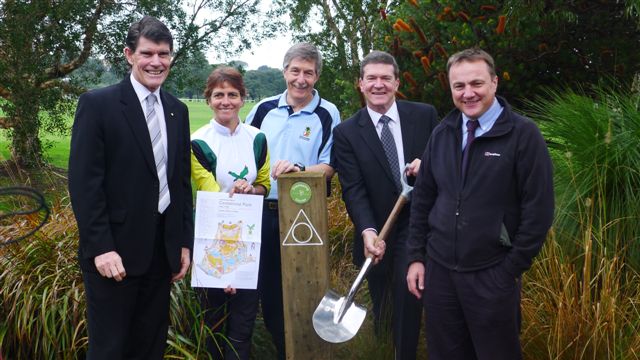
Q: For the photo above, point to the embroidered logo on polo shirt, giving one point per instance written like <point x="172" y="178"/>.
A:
<point x="486" y="153"/>
<point x="306" y="134"/>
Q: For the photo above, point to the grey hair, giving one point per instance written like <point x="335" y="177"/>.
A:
<point x="304" y="51"/>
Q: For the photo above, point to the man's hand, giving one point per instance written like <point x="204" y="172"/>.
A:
<point x="185" y="261"/>
<point x="412" y="169"/>
<point x="230" y="290"/>
<point x="110" y="265"/>
<point x="282" y="167"/>
<point x="415" y="278"/>
<point x="370" y="250"/>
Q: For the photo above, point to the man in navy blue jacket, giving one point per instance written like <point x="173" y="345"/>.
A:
<point x="477" y="223"/>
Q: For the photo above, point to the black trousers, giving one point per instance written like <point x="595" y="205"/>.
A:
<point x="129" y="319"/>
<point x="232" y="315"/>
<point x="472" y="315"/>
<point x="394" y="307"/>
<point x="270" y="279"/>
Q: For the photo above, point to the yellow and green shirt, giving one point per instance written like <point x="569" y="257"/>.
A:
<point x="219" y="157"/>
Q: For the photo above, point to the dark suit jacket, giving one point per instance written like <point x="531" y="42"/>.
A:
<point x="368" y="189"/>
<point x="113" y="181"/>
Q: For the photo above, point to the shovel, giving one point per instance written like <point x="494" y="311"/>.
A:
<point x="337" y="318"/>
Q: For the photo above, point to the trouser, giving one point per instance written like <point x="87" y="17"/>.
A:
<point x="129" y="319"/>
<point x="240" y="311"/>
<point x="270" y="277"/>
<point x="472" y="315"/>
<point x="393" y="305"/>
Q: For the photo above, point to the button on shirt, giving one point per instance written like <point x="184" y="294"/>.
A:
<point x="394" y="127"/>
<point x="142" y="92"/>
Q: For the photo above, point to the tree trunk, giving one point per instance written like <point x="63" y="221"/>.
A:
<point x="26" y="147"/>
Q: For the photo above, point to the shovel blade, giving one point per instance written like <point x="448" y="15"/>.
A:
<point x="327" y="322"/>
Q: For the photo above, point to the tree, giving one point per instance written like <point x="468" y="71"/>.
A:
<point x="264" y="82"/>
<point x="348" y="29"/>
<point x="42" y="43"/>
<point x="189" y="79"/>
<point x="535" y="44"/>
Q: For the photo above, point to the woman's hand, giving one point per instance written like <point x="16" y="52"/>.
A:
<point x="241" y="186"/>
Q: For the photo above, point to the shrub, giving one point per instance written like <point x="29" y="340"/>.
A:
<point x="593" y="140"/>
<point x="41" y="293"/>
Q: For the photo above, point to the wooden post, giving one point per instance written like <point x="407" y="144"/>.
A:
<point x="302" y="205"/>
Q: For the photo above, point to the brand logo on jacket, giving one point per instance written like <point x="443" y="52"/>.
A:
<point x="486" y="153"/>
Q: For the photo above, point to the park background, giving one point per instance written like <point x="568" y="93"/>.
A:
<point x="572" y="66"/>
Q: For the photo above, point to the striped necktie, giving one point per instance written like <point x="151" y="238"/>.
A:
<point x="159" y="154"/>
<point x="390" y="149"/>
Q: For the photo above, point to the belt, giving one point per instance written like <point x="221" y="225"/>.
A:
<point x="271" y="204"/>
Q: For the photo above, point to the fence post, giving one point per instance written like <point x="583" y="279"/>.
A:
<point x="302" y="205"/>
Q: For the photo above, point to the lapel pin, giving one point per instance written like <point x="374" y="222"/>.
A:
<point x="171" y="114"/>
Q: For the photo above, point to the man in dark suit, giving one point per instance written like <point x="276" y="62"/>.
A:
<point x="370" y="151"/>
<point x="131" y="194"/>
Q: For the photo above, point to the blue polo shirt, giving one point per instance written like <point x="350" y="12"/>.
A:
<point x="301" y="137"/>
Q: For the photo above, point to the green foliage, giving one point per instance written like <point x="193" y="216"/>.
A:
<point x="44" y="42"/>
<point x="593" y="139"/>
<point x="534" y="43"/>
<point x="264" y="82"/>
<point x="580" y="298"/>
<point x="41" y="292"/>
<point x="95" y="73"/>
<point x="189" y="78"/>
<point x="347" y="30"/>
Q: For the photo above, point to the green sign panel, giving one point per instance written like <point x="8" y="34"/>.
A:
<point x="300" y="193"/>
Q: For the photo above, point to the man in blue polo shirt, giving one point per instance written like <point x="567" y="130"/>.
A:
<point x="298" y="125"/>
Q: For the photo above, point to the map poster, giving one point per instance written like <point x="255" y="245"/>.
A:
<point x="226" y="246"/>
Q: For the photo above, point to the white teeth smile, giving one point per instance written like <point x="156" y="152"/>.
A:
<point x="154" y="72"/>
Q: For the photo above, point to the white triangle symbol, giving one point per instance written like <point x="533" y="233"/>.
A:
<point x="302" y="220"/>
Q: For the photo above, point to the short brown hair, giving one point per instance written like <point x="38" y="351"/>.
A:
<point x="224" y="74"/>
<point x="150" y="28"/>
<point x="471" y="55"/>
<point x="379" y="57"/>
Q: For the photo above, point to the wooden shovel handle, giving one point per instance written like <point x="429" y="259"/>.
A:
<point x="391" y="220"/>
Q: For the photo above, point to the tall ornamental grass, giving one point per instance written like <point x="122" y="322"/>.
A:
<point x="594" y="140"/>
<point x="581" y="298"/>
<point x="42" y="307"/>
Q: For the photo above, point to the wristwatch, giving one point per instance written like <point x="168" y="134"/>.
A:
<point x="300" y="166"/>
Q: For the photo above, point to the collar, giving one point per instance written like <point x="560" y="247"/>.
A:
<point x="391" y="113"/>
<point x="223" y="130"/>
<point x="141" y="91"/>
<point x="309" y="108"/>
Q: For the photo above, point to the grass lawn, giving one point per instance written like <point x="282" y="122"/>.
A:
<point x="57" y="146"/>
